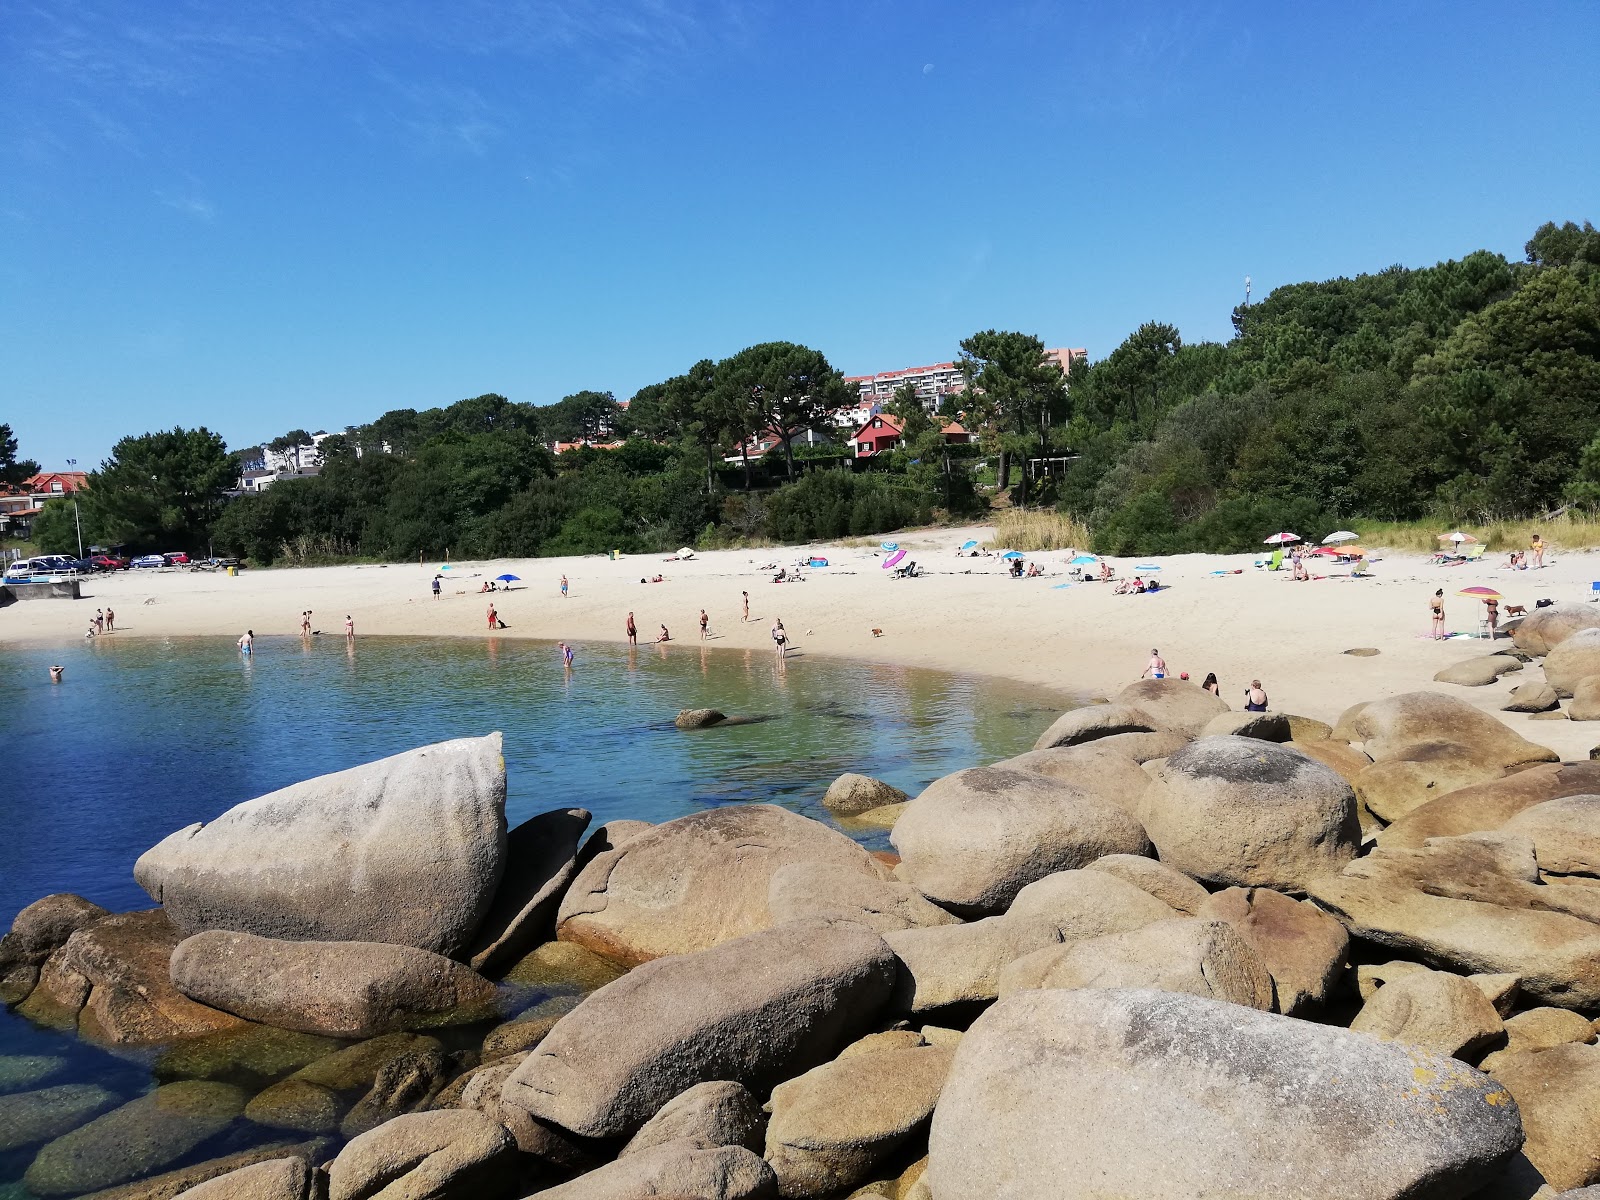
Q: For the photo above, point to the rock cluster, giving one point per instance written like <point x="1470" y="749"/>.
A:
<point x="1088" y="974"/>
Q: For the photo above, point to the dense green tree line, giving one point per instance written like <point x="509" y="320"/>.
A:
<point x="1465" y="390"/>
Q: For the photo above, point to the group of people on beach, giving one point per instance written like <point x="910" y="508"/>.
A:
<point x="104" y="621"/>
<point x="1255" y="696"/>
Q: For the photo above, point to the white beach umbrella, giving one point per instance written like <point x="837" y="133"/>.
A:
<point x="1281" y="539"/>
<point x="1457" y="537"/>
<point x="1344" y="535"/>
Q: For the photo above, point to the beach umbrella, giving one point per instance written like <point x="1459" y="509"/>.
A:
<point x="1344" y="535"/>
<point x="1281" y="539"/>
<point x="685" y="552"/>
<point x="1328" y="551"/>
<point x="970" y="545"/>
<point x="1012" y="554"/>
<point x="509" y="578"/>
<point x="1457" y="537"/>
<point x="1082" y="560"/>
<point x="446" y="567"/>
<point x="1481" y="593"/>
<point x="891" y="546"/>
<point x="892" y="559"/>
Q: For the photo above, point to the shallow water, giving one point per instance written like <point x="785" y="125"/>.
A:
<point x="144" y="737"/>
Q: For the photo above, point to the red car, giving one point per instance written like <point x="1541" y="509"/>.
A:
<point x="176" y="558"/>
<point x="107" y="562"/>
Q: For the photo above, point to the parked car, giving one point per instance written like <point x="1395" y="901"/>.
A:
<point x="176" y="558"/>
<point x="150" y="560"/>
<point x="108" y="562"/>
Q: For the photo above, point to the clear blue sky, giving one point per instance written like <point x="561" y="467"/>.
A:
<point x="260" y="215"/>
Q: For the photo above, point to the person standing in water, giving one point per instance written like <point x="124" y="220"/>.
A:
<point x="1436" y="611"/>
<point x="1156" y="668"/>
<point x="247" y="643"/>
<point x="633" y="631"/>
<point x="99" y="620"/>
<point x="349" y="627"/>
<point x="305" y="623"/>
<point x="780" y="638"/>
<point x="563" y="587"/>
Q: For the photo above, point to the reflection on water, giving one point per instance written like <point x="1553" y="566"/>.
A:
<point x="144" y="737"/>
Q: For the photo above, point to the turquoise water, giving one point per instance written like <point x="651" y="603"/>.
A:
<point x="144" y="737"/>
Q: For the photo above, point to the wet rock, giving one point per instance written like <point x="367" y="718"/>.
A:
<point x="1304" y="949"/>
<point x="755" y="1010"/>
<point x="824" y="890"/>
<point x="1240" y="812"/>
<point x="958" y="964"/>
<point x="1558" y="1093"/>
<point x="972" y="840"/>
<point x="1167" y="884"/>
<point x="109" y="981"/>
<point x="1490" y="805"/>
<point x="718" y="1113"/>
<point x="1094" y="722"/>
<point x="524" y="1033"/>
<point x="541" y="860"/>
<point x="1387" y="728"/>
<point x="20" y="1072"/>
<point x="851" y="795"/>
<point x="455" y="1154"/>
<point x="253" y="1056"/>
<point x="563" y="966"/>
<point x="315" y="1098"/>
<point x="674" y="1169"/>
<point x="831" y="1126"/>
<point x="345" y="989"/>
<point x="1266" y="727"/>
<point x="1184" y="954"/>
<point x="1073" y="1095"/>
<point x="1478" y="672"/>
<point x="698" y="718"/>
<point x="38" y="931"/>
<point x="1434" y="1010"/>
<point x="137" y="1139"/>
<point x="29" y="1117"/>
<point x="407" y="850"/>
<point x="695" y="882"/>
<point x="406" y="1083"/>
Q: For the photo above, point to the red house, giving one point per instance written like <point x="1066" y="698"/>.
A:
<point x="882" y="433"/>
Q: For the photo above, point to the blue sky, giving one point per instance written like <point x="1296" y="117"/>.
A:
<point x="257" y="216"/>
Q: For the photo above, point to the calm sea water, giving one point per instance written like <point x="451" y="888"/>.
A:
<point x="144" y="737"/>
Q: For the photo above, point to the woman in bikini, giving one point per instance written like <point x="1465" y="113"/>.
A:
<point x="1255" y="699"/>
<point x="1436" y="609"/>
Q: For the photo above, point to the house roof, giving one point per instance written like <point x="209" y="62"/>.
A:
<point x="71" y="481"/>
<point x="880" y="425"/>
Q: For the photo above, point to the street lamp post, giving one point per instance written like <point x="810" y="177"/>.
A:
<point x="77" y="520"/>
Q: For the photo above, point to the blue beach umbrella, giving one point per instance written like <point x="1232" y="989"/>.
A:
<point x="509" y="578"/>
<point x="891" y="545"/>
<point x="970" y="545"/>
<point x="1012" y="554"/>
<point x="1148" y="567"/>
<point x="1082" y="560"/>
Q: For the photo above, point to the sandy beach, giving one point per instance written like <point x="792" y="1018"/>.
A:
<point x="1214" y="613"/>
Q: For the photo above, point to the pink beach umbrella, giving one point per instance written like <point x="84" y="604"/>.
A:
<point x="1281" y="539"/>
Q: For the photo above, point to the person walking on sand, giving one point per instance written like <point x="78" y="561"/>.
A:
<point x="746" y="605"/>
<point x="1436" y="610"/>
<point x="705" y="625"/>
<point x="435" y="587"/>
<point x="247" y="643"/>
<point x="1537" y="546"/>
<point x="1156" y="668"/>
<point x="563" y="587"/>
<point x="111" y="620"/>
<point x="633" y="631"/>
<point x="1255" y="699"/>
<point x="494" y="617"/>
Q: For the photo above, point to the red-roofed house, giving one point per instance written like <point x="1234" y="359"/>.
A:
<point x="20" y="505"/>
<point x="882" y="433"/>
<point x="57" y="483"/>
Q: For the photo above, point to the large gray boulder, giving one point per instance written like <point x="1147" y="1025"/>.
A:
<point x="1183" y="954"/>
<point x="1486" y="806"/>
<point x="1303" y="947"/>
<point x="408" y="850"/>
<point x="109" y="983"/>
<point x="137" y="1139"/>
<point x="1176" y="704"/>
<point x="718" y="1113"/>
<point x="1565" y="834"/>
<point x="1167" y="884"/>
<point x="826" y="890"/>
<point x="343" y="989"/>
<point x="1575" y="659"/>
<point x="972" y="840"/>
<point x="959" y="964"/>
<point x="1387" y="728"/>
<point x="1543" y="629"/>
<point x="456" y="1153"/>
<point x="1104" y="771"/>
<point x="1245" y="813"/>
<point x="754" y="1010"/>
<point x="677" y="1170"/>
<point x="831" y="1126"/>
<point x="1473" y="904"/>
<point x="1090" y="1094"/>
<point x="1093" y="722"/>
<point x="695" y="882"/>
<point x="541" y="860"/>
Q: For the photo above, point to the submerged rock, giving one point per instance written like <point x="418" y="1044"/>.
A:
<point x="850" y="795"/>
<point x="252" y="1056"/>
<point x="408" y="850"/>
<point x="28" y="1117"/>
<point x="345" y="989"/>
<point x="1081" y="1095"/>
<point x="692" y="883"/>
<point x="316" y="1098"/>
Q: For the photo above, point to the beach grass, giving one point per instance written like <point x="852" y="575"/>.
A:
<point x="1566" y="532"/>
<point x="1025" y="529"/>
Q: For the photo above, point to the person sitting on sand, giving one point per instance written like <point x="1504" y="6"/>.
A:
<point x="1156" y="668"/>
<point x="1211" y="685"/>
<point x="1105" y="571"/>
<point x="1255" y="699"/>
<point x="664" y="636"/>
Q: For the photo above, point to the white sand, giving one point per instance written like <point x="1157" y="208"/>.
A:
<point x="965" y="616"/>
